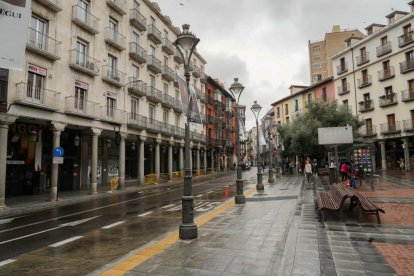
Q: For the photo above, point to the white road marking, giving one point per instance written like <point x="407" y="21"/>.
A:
<point x="168" y="206"/>
<point x="113" y="224"/>
<point x="199" y="196"/>
<point x="65" y="241"/>
<point x="4" y="221"/>
<point x="6" y="262"/>
<point x="209" y="192"/>
<point x="144" y="214"/>
<point x="77" y="222"/>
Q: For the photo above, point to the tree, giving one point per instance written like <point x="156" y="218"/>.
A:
<point x="300" y="136"/>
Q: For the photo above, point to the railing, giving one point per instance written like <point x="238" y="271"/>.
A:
<point x="150" y="179"/>
<point x="84" y="63"/>
<point x="368" y="131"/>
<point x="407" y="66"/>
<point x="137" y="121"/>
<point x="362" y="59"/>
<point x="405" y="39"/>
<point x="114" y="38"/>
<point x="177" y="57"/>
<point x="196" y="70"/>
<point x="167" y="73"/>
<point x="386" y="100"/>
<point x="386" y="73"/>
<point x="137" y="52"/>
<point x="154" y="64"/>
<point x="137" y="87"/>
<point x="384" y="49"/>
<point x="154" y="94"/>
<point x="85" y="19"/>
<point x="154" y="34"/>
<point x="81" y="107"/>
<point x="203" y="77"/>
<point x="43" y="44"/>
<point x="167" y="46"/>
<point x="342" y="68"/>
<point x="138" y="20"/>
<point x="407" y="95"/>
<point x="390" y="128"/>
<point x="178" y="131"/>
<point x="366" y="105"/>
<point x="54" y="5"/>
<point x="210" y="119"/>
<point x="112" y="114"/>
<point x="408" y="125"/>
<point x="343" y="89"/>
<point x="365" y="81"/>
<point x="178" y="106"/>
<point x="118" y="5"/>
<point x="113" y="75"/>
<point x="37" y="96"/>
<point x="167" y="101"/>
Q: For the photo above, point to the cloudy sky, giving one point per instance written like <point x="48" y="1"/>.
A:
<point x="264" y="42"/>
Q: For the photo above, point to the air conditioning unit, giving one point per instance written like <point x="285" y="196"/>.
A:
<point x="91" y="66"/>
<point x="116" y="78"/>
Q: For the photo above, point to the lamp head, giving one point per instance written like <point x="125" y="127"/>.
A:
<point x="186" y="43"/>
<point x="236" y="87"/>
<point x="256" y="109"/>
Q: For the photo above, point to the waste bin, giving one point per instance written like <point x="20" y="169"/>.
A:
<point x="333" y="175"/>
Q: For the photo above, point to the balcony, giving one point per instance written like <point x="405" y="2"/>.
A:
<point x="37" y="97"/>
<point x="43" y="45"/>
<point x="113" y="76"/>
<point x="362" y="59"/>
<point x="384" y="49"/>
<point x="154" y="34"/>
<point x="386" y="74"/>
<point x="203" y="77"/>
<point x="210" y="119"/>
<point x="388" y="129"/>
<point x="367" y="132"/>
<point x="342" y="68"/>
<point x="137" y="121"/>
<point x="407" y="66"/>
<point x="112" y="115"/>
<point x="167" y="73"/>
<point x="167" y="46"/>
<point x="343" y="89"/>
<point x="366" y="106"/>
<point x="178" y="106"/>
<point x="153" y="94"/>
<point x="178" y="131"/>
<point x="137" y="53"/>
<point x="196" y="70"/>
<point x="408" y="125"/>
<point x="405" y="39"/>
<point x="138" y="20"/>
<point x="84" y="63"/>
<point x="115" y="39"/>
<point x="118" y="5"/>
<point x="154" y="125"/>
<point x="177" y="57"/>
<point x="387" y="100"/>
<point x="154" y="64"/>
<point x="85" y="19"/>
<point x="407" y="95"/>
<point x="167" y="101"/>
<point x="54" y="5"/>
<point x="166" y="129"/>
<point x="81" y="108"/>
<point x="365" y="81"/>
<point x="137" y="87"/>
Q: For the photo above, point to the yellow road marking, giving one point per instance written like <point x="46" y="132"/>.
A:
<point x="129" y="263"/>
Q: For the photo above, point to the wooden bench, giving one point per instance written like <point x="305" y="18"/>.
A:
<point x="368" y="207"/>
<point x="334" y="199"/>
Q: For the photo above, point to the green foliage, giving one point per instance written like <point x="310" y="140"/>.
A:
<point x="300" y="136"/>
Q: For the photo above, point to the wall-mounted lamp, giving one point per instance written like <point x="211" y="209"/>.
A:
<point x="76" y="141"/>
<point x="132" y="146"/>
<point x="33" y="136"/>
<point x="150" y="147"/>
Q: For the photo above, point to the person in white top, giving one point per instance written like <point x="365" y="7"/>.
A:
<point x="308" y="171"/>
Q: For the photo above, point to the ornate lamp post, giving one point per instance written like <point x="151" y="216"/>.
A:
<point x="185" y="44"/>
<point x="256" y="110"/>
<point x="236" y="89"/>
<point x="269" y="120"/>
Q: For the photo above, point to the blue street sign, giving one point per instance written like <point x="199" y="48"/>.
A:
<point x="58" y="152"/>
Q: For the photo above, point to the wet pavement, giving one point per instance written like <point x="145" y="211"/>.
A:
<point x="281" y="232"/>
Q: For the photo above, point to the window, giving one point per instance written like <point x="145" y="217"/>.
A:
<point x="309" y="99"/>
<point x="386" y="67"/>
<point x="135" y="38"/>
<point x="151" y="113"/>
<point x="165" y="89"/>
<point x="38" y="33"/>
<point x="82" y="49"/>
<point x="111" y="105"/>
<point x="135" y="72"/>
<point x="177" y="95"/>
<point x="316" y="58"/>
<point x="165" y="116"/>
<point x="318" y="77"/>
<point x="409" y="56"/>
<point x="165" y="61"/>
<point x="388" y="91"/>
<point x="324" y="94"/>
<point x="136" y="5"/>
<point x="152" y="50"/>
<point x="278" y="112"/>
<point x="80" y="96"/>
<point x="166" y="34"/>
<point x="286" y="109"/>
<point x="134" y="108"/>
<point x="367" y="98"/>
<point x="84" y="10"/>
<point x="363" y="52"/>
<point x="152" y="81"/>
<point x="391" y="122"/>
<point x="407" y="32"/>
<point x="384" y="40"/>
<point x="296" y="105"/>
<point x="177" y="120"/>
<point x="344" y="85"/>
<point x="368" y="126"/>
<point x="317" y="66"/>
<point x="345" y="103"/>
<point x="365" y="79"/>
<point x="343" y="64"/>
<point x="316" y="48"/>
<point x="112" y="65"/>
<point x="36" y="83"/>
<point x="4" y="76"/>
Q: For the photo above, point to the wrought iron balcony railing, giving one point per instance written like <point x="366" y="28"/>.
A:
<point x="388" y="128"/>
<point x="54" y="5"/>
<point x="167" y="73"/>
<point x="113" y="76"/>
<point x="384" y="49"/>
<point x="407" y="95"/>
<point x="138" y="20"/>
<point x="342" y="68"/>
<point x="37" y="96"/>
<point x="118" y="5"/>
<point x="405" y="39"/>
<point x="137" y="87"/>
<point x="362" y="59"/>
<point x="407" y="66"/>
<point x="408" y="125"/>
<point x="81" y="107"/>
<point x="153" y="34"/>
<point x="154" y="94"/>
<point x="43" y="44"/>
<point x="138" y="53"/>
<point x="154" y="64"/>
<point x="114" y="38"/>
<point x="343" y="89"/>
<point x="365" y="81"/>
<point x="386" y="74"/>
<point x="365" y="106"/>
<point x="112" y="115"/>
<point x="368" y="131"/>
<point x="137" y="121"/>
<point x="387" y="100"/>
<point x="167" y="46"/>
<point x="84" y="63"/>
<point x="85" y="19"/>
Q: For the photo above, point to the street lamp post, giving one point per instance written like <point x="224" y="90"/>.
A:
<point x="269" y="121"/>
<point x="236" y="89"/>
<point x="185" y="44"/>
<point x="256" y="110"/>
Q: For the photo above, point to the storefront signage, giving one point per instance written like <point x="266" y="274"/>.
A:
<point x="81" y="84"/>
<point x="37" y="70"/>
<point x="111" y="95"/>
<point x="21" y="128"/>
<point x="15" y="162"/>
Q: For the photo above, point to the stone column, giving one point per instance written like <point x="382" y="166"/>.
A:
<point x="212" y="159"/>
<point x="191" y="158"/>
<point x="181" y="158"/>
<point x="383" y="156"/>
<point x="157" y="158"/>
<point x="5" y="121"/>
<point x="121" y="167"/>
<point x="170" y="161"/>
<point x="198" y="159"/>
<point x="94" y="162"/>
<point x="205" y="160"/>
<point x="141" y="159"/>
<point x="406" y="153"/>
<point x="57" y="130"/>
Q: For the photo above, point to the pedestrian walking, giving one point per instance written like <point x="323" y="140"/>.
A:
<point x="315" y="167"/>
<point x="344" y="171"/>
<point x="401" y="163"/>
<point x="308" y="172"/>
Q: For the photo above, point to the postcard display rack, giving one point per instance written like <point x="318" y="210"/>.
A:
<point x="362" y="157"/>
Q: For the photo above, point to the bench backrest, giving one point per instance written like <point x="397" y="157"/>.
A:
<point x="340" y="193"/>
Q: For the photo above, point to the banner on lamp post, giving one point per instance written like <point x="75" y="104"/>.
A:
<point x="14" y="22"/>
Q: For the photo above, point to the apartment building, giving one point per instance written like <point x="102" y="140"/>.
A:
<point x="374" y="76"/>
<point x="99" y="82"/>
<point x="320" y="52"/>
